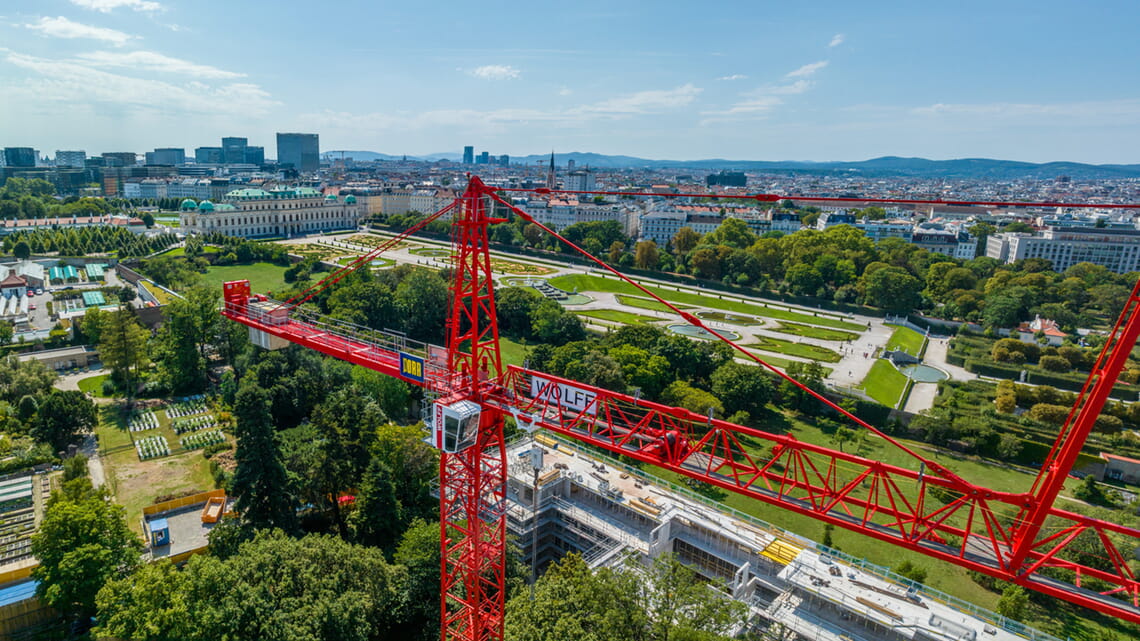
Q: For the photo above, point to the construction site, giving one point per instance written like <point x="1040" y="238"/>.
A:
<point x="609" y="512"/>
<point x="563" y="500"/>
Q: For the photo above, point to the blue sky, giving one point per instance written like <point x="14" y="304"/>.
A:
<point x="1034" y="81"/>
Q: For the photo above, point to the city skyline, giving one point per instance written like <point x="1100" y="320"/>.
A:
<point x="647" y="80"/>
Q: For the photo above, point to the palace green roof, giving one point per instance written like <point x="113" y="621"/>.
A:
<point x="249" y="194"/>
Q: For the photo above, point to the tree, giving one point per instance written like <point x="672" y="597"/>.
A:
<point x="733" y="232"/>
<point x="1009" y="447"/>
<point x="1049" y="413"/>
<point x="892" y="289"/>
<point x="418" y="552"/>
<point x="6" y="333"/>
<point x="680" y="606"/>
<point x="62" y="417"/>
<point x="148" y="219"/>
<point x="82" y="542"/>
<point x="911" y="571"/>
<point x="842" y="435"/>
<point x="572" y="603"/>
<point x="22" y="250"/>
<point x="1014" y="603"/>
<point x="685" y="240"/>
<point x="317" y="588"/>
<point x="23" y="378"/>
<point x="617" y="248"/>
<point x="741" y="388"/>
<point x="705" y="263"/>
<point x="260" y="484"/>
<point x="378" y="518"/>
<point x="1055" y="364"/>
<point x="681" y="394"/>
<point x="75" y="468"/>
<point x="422" y="298"/>
<point x="646" y="255"/>
<point x="122" y="346"/>
<point x="152" y="603"/>
<point x="804" y="279"/>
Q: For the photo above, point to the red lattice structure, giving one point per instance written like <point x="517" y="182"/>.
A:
<point x="1021" y="537"/>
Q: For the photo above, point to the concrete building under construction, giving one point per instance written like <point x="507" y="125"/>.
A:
<point x="607" y="511"/>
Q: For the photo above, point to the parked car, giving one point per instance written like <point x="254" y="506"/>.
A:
<point x="32" y="306"/>
<point x="39" y="290"/>
<point x="31" y="292"/>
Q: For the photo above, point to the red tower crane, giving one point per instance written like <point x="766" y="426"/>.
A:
<point x="1020" y="537"/>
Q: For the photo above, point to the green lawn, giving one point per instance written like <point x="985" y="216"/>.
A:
<point x="885" y="383"/>
<point x="263" y="277"/>
<point x="583" y="282"/>
<point x="907" y="340"/>
<point x="93" y="385"/>
<point x="617" y="316"/>
<point x="646" y="303"/>
<point x="821" y="333"/>
<point x="512" y="352"/>
<point x="803" y="350"/>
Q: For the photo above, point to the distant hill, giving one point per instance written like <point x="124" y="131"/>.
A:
<point x="876" y="167"/>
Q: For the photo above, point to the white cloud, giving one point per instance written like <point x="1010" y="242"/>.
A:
<point x="71" y="82"/>
<point x="645" y="101"/>
<point x="735" y="76"/>
<point x="63" y="28"/>
<point x="106" y="6"/>
<point x="1088" y="112"/>
<point x="759" y="102"/>
<point x="151" y="61"/>
<point x="564" y="91"/>
<point x="498" y="120"/>
<point x="836" y="40"/>
<point x="807" y="70"/>
<point x="495" y="72"/>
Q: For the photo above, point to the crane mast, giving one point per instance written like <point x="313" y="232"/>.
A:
<point x="1008" y="535"/>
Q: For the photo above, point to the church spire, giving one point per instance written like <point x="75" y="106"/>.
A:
<point x="550" y="182"/>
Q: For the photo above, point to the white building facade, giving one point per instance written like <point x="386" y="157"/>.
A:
<point x="280" y="212"/>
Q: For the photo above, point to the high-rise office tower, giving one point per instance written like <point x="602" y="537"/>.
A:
<point x="166" y="156"/>
<point x="468" y="155"/>
<point x="120" y="158"/>
<point x="233" y="150"/>
<point x="208" y="155"/>
<point x="254" y="156"/>
<point x="20" y="157"/>
<point x="483" y="159"/>
<point x="505" y="160"/>
<point x="70" y="158"/>
<point x="299" y="151"/>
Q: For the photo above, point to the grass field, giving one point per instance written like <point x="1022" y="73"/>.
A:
<point x="646" y="303"/>
<point x="821" y="333"/>
<point x="617" y="316"/>
<point x="512" y="352"/>
<point x="907" y="340"/>
<point x="263" y="277"/>
<point x="884" y="383"/>
<point x="598" y="284"/>
<point x="803" y="350"/>
<point x="136" y="484"/>
<point x="93" y="385"/>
